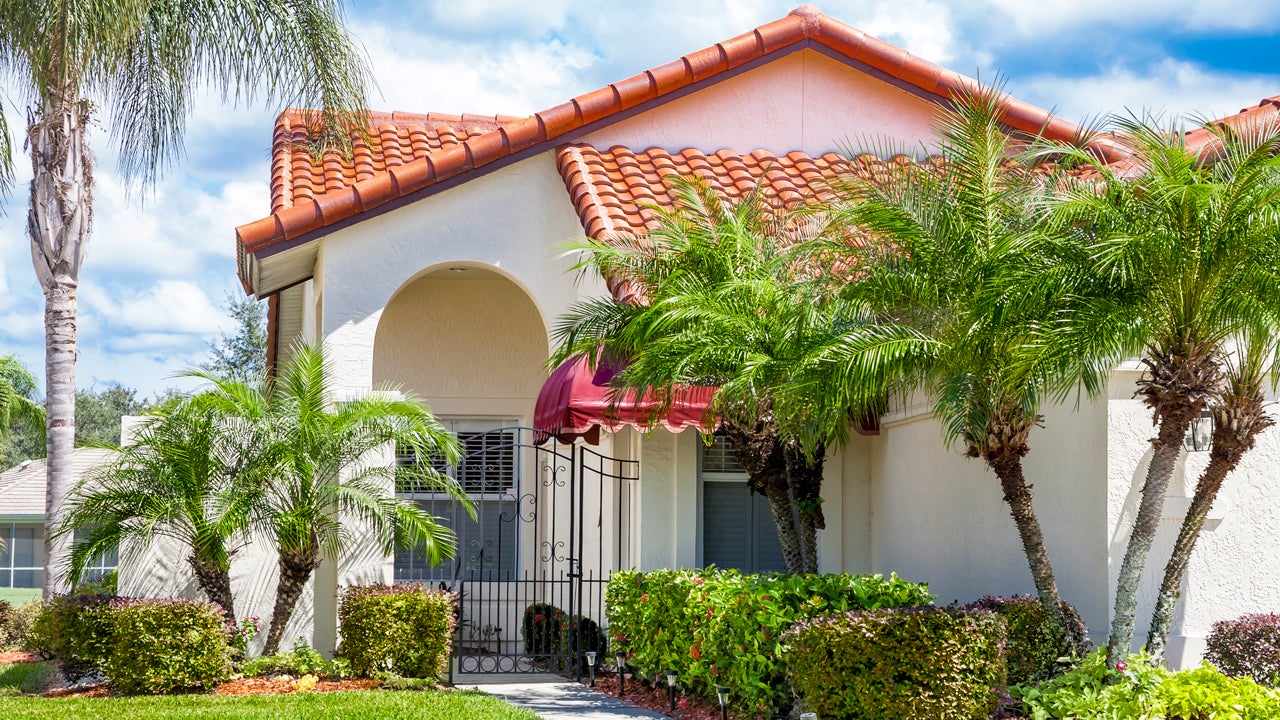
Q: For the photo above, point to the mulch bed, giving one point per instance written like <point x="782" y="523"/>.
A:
<point x="10" y="657"/>
<point x="654" y="697"/>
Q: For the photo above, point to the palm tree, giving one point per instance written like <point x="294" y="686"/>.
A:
<point x="326" y="472"/>
<point x="725" y="305"/>
<point x="189" y="474"/>
<point x="17" y="397"/>
<point x="142" y="62"/>
<point x="1179" y="264"/>
<point x="1239" y="415"/>
<point x="956" y="263"/>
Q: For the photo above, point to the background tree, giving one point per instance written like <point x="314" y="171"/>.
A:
<point x="142" y="62"/>
<point x="722" y="304"/>
<point x="243" y="352"/>
<point x="954" y="263"/>
<point x="326" y="473"/>
<point x="19" y="407"/>
<point x="1180" y="261"/>
<point x="98" y="415"/>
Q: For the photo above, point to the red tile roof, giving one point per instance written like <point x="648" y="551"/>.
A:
<point x="350" y="190"/>
<point x="1266" y="111"/>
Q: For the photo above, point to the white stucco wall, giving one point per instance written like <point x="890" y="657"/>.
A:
<point x="940" y="517"/>
<point x="805" y="101"/>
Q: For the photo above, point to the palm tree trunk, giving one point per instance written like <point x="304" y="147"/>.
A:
<point x="296" y="567"/>
<point x="1007" y="465"/>
<point x="59" y="221"/>
<point x="1166" y="448"/>
<point x="216" y="583"/>
<point x="1236" y="426"/>
<point x="804" y="477"/>
<point x="761" y="455"/>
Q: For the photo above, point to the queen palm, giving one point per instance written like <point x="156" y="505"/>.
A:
<point x="329" y="483"/>
<point x="1180" y="262"/>
<point x="723" y="304"/>
<point x="143" y="63"/>
<point x="189" y="474"/>
<point x="956" y="264"/>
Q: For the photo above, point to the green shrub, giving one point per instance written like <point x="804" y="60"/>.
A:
<point x="902" y="663"/>
<point x="25" y="678"/>
<point x="1142" y="691"/>
<point x="1035" y="645"/>
<point x="302" y="660"/>
<point x="722" y="627"/>
<point x="74" y="631"/>
<point x="161" y="646"/>
<point x="406" y="629"/>
<point x="1247" y="646"/>
<point x="15" y="623"/>
<point x="542" y="628"/>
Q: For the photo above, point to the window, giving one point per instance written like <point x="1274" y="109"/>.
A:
<point x="101" y="564"/>
<point x="738" y="530"/>
<point x="489" y="472"/>
<point x="22" y="557"/>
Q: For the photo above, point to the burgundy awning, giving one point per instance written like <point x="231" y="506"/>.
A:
<point x="575" y="403"/>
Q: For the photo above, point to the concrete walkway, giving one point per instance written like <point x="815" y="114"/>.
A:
<point x="554" y="698"/>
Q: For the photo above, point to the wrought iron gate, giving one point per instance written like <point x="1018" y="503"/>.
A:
<point x="552" y="522"/>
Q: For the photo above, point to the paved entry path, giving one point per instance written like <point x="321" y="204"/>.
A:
<point x="554" y="698"/>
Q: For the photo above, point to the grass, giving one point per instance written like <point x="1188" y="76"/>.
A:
<point x="24" y="678"/>
<point x="17" y="596"/>
<point x="356" y="705"/>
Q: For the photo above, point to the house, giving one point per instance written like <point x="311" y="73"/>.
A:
<point x="430" y="259"/>
<point x="22" y="526"/>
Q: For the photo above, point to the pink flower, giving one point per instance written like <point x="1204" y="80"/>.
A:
<point x="1122" y="666"/>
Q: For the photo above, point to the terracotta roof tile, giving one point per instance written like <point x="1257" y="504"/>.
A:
<point x="445" y="146"/>
<point x="1266" y="111"/>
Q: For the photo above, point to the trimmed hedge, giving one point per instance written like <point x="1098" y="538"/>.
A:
<point x="722" y="627"/>
<point x="1034" y="645"/>
<point x="902" y="663"/>
<point x="163" y="646"/>
<point x="74" y="631"/>
<point x="16" y="622"/>
<point x="1247" y="646"/>
<point x="405" y="629"/>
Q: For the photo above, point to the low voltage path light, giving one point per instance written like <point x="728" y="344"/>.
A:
<point x="591" y="666"/>
<point x="808" y="716"/>
<point x="621" y="657"/>
<point x="671" y="688"/>
<point x="722" y="694"/>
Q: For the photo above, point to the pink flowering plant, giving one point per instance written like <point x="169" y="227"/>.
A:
<point x="1248" y="646"/>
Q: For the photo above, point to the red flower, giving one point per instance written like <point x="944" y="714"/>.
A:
<point x="538" y="618"/>
<point x="695" y="653"/>
<point x="1121" y="666"/>
<point x="644" y="597"/>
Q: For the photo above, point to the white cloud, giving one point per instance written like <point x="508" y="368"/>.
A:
<point x="1045" y="18"/>
<point x="170" y="307"/>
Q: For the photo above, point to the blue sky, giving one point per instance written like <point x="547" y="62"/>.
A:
<point x="159" y="268"/>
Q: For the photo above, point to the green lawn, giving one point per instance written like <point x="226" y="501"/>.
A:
<point x="360" y="705"/>
<point x="17" y="596"/>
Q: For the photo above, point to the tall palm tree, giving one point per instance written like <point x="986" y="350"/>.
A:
<point x="143" y="63"/>
<point x="955" y="263"/>
<point x="723" y="305"/>
<point x="327" y="474"/>
<point x="1179" y="263"/>
<point x="17" y="397"/>
<point x="190" y="474"/>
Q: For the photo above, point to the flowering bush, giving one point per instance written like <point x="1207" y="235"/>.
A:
<point x="406" y="629"/>
<point x="1034" y="646"/>
<point x="541" y="629"/>
<point x="161" y="646"/>
<point x="722" y="627"/>
<point x="905" y="663"/>
<point x="1247" y="646"/>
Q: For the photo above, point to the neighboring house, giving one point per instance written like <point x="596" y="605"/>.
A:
<point x="22" y="526"/>
<point x="431" y="259"/>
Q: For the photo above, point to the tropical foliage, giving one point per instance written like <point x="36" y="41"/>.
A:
<point x="18" y="403"/>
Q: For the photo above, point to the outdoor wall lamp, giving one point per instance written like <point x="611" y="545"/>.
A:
<point x="722" y="694"/>
<point x="1199" y="436"/>
<point x="621" y="658"/>
<point x="671" y="688"/>
<point x="591" y="666"/>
